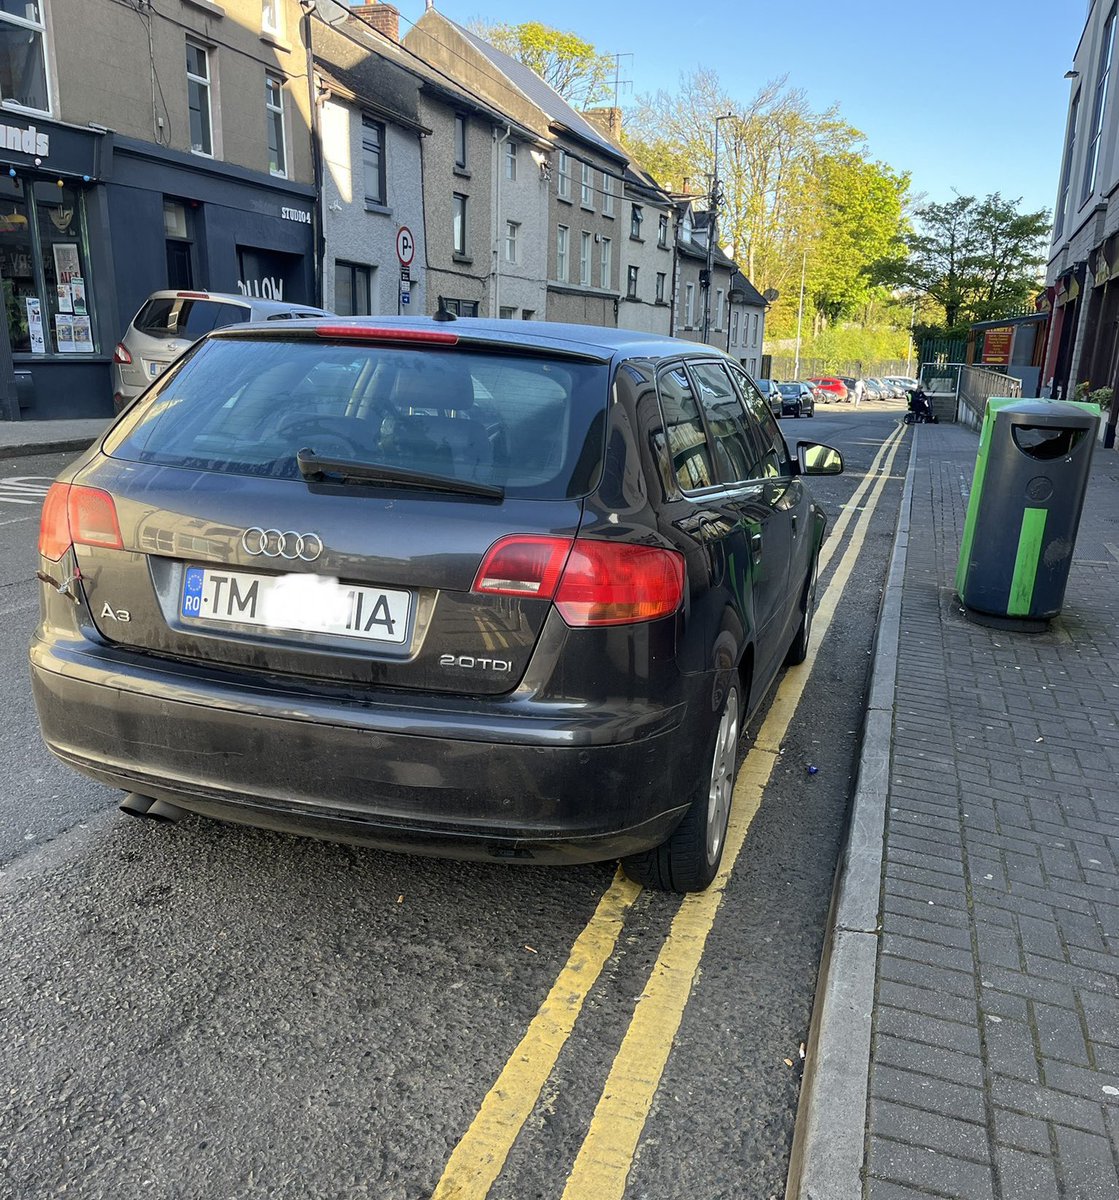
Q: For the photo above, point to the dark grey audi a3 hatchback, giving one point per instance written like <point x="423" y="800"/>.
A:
<point x="469" y="588"/>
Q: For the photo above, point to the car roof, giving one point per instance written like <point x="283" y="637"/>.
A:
<point x="589" y="341"/>
<point x="256" y="303"/>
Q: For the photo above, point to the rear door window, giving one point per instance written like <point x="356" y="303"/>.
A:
<point x="736" y="456"/>
<point x="687" y="439"/>
<point x="180" y="317"/>
<point x="534" y="426"/>
<point x="775" y="454"/>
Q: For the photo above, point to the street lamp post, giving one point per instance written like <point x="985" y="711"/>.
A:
<point x="712" y="216"/>
<point x="800" y="313"/>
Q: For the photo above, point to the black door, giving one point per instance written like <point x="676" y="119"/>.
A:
<point x="180" y="270"/>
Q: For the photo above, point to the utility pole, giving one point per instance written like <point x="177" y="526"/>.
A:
<point x="800" y="312"/>
<point x="712" y="218"/>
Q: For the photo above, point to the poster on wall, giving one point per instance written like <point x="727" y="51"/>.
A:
<point x="35" y="325"/>
<point x="64" y="333"/>
<point x="77" y="293"/>
<point x="66" y="264"/>
<point x="83" y="336"/>
<point x="65" y="304"/>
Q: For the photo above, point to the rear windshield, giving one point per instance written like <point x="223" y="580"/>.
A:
<point x="789" y="389"/>
<point x="242" y="406"/>
<point x="175" y="317"/>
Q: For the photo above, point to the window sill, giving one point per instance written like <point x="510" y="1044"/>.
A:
<point x="462" y="173"/>
<point x="633" y="237"/>
<point x="608" y="216"/>
<point x="274" y="40"/>
<point x="207" y="6"/>
<point x="371" y="206"/>
<point x="587" y="207"/>
<point x="563" y="199"/>
<point x="463" y="259"/>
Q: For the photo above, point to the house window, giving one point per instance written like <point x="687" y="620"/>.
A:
<point x="585" y="259"/>
<point x="636" y="216"/>
<point x="661" y="279"/>
<point x="270" y="16"/>
<point x="459" y="224"/>
<point x="23" y="63"/>
<point x="373" y="156"/>
<point x="512" y="229"/>
<point x="753" y="327"/>
<point x="461" y="308"/>
<point x="662" y="232"/>
<point x="511" y="160"/>
<point x="528" y="314"/>
<point x="198" y="98"/>
<point x="507" y="314"/>
<point x="1066" y="173"/>
<point x="460" y="141"/>
<point x="631" y="283"/>
<point x="607" y="195"/>
<point x="353" y="289"/>
<point x="605" y="262"/>
<point x="563" y="176"/>
<point x="689" y="304"/>
<point x="734" y="325"/>
<point x="719" y="294"/>
<point x="563" y="239"/>
<point x="274" y="115"/>
<point x="1099" y="103"/>
<point x="586" y="193"/>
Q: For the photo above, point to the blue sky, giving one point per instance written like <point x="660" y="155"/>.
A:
<point x="966" y="95"/>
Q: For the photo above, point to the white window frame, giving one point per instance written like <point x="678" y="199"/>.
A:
<point x="511" y="161"/>
<point x="277" y="110"/>
<point x="273" y="25"/>
<point x="605" y="262"/>
<point x="734" y="326"/>
<point x="563" y="249"/>
<point x="462" y="139"/>
<point x="662" y="279"/>
<point x="662" y="231"/>
<point x="563" y="176"/>
<point x="585" y="259"/>
<point x="607" y="194"/>
<point x="512" y="229"/>
<point x="459" y="210"/>
<point x="38" y="27"/>
<point x="631" y="282"/>
<point x="207" y="85"/>
<point x="586" y="186"/>
<point x="689" y="304"/>
<point x="720" y="296"/>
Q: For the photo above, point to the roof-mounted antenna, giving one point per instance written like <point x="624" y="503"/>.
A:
<point x="443" y="313"/>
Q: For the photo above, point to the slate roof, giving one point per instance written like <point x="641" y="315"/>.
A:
<point x="546" y="98"/>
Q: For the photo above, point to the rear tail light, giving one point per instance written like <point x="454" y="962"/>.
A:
<point x="376" y="333"/>
<point x="591" y="582"/>
<point x="121" y="355"/>
<point x="79" y="516"/>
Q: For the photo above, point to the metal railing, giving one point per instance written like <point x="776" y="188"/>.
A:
<point x="969" y="386"/>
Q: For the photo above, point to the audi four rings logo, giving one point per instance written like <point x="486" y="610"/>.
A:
<point x="281" y="543"/>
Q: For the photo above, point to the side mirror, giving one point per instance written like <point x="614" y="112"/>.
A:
<point x="816" y="459"/>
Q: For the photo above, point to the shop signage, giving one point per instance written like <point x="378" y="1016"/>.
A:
<point x="996" y="345"/>
<point x="299" y="215"/>
<point x="26" y="141"/>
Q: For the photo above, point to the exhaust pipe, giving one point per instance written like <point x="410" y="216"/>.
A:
<point x="136" y="805"/>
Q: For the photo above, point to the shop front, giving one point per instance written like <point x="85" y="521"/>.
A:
<point x="55" y="270"/>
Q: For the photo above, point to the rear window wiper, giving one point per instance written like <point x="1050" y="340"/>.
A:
<point x="316" y="468"/>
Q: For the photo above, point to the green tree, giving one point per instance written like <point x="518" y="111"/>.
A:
<point x="976" y="259"/>
<point x="567" y="63"/>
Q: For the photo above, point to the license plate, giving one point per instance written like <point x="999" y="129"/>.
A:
<point x="154" y="369"/>
<point x="296" y="603"/>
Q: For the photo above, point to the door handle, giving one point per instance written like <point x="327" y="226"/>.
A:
<point x="756" y="543"/>
<point x="794" y="524"/>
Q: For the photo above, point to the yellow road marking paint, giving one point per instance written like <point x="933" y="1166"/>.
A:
<point x="478" y="1158"/>
<point x="604" y="1160"/>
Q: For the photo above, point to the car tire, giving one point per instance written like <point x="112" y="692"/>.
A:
<point x="689" y="860"/>
<point x="796" y="412"/>
<point x="812" y="411"/>
<point x="798" y="650"/>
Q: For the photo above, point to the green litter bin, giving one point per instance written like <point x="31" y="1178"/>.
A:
<point x="1031" y="474"/>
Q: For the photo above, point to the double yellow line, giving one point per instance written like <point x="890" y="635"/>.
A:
<point x="606" y="1155"/>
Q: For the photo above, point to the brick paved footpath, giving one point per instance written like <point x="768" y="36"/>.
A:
<point x="991" y="998"/>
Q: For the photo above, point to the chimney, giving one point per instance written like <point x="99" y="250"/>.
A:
<point x="609" y="120"/>
<point x="383" y="17"/>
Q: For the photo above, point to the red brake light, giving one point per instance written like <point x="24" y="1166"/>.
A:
<point x="192" y="295"/>
<point x="378" y="334"/>
<point x="121" y="355"/>
<point x="93" y="518"/>
<point x="523" y="566"/>
<point x="618" y="583"/>
<point x="54" y="527"/>
<point x="592" y="583"/>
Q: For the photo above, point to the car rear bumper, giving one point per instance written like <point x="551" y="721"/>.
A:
<point x="481" y="785"/>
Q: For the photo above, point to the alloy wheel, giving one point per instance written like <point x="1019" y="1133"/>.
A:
<point x="722" y="776"/>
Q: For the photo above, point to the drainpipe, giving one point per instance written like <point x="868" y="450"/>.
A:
<point x="675" y="271"/>
<point x="498" y="142"/>
<point x="317" y="234"/>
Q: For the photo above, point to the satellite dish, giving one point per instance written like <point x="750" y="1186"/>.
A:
<point x="770" y="294"/>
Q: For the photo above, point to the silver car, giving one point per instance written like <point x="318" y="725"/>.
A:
<point x="170" y="321"/>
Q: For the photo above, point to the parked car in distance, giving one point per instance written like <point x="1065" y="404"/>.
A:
<point x="772" y="393"/>
<point x="169" y="321"/>
<point x="797" y="399"/>
<point x="874" y="390"/>
<point x="902" y="384"/>
<point x="365" y="579"/>
<point x="849" y="383"/>
<point x="833" y="387"/>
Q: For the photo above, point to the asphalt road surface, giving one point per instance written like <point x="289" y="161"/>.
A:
<point x="213" y="1012"/>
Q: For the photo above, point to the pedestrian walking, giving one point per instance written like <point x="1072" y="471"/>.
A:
<point x="860" y="391"/>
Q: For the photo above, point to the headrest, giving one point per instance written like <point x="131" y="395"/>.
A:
<point x="434" y="384"/>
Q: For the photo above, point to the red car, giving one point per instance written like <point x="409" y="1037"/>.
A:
<point x="834" y="389"/>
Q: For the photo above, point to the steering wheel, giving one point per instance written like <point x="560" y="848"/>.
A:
<point x="328" y="440"/>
